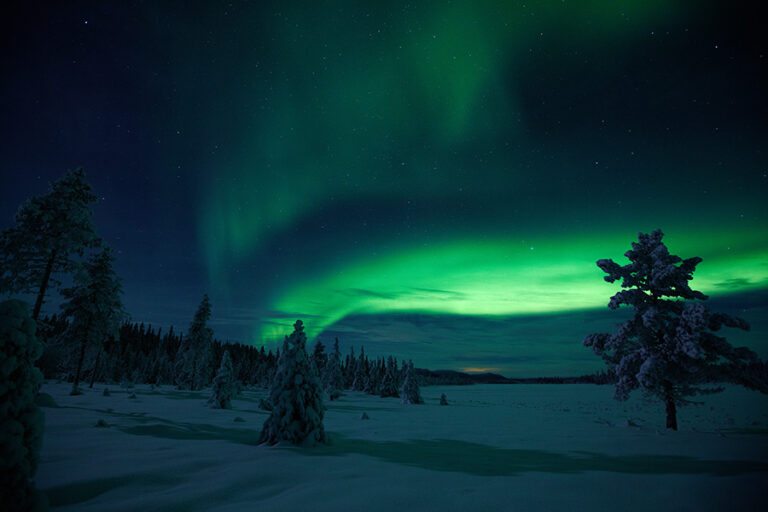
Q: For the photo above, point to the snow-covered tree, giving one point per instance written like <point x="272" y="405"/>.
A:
<point x="296" y="397"/>
<point x="410" y="392"/>
<point x="51" y="232"/>
<point x="196" y="352"/>
<point x="333" y="379"/>
<point x="21" y="421"/>
<point x="319" y="357"/>
<point x="224" y="384"/>
<point x="669" y="346"/>
<point x="94" y="306"/>
<point x="361" y="372"/>
<point x="389" y="380"/>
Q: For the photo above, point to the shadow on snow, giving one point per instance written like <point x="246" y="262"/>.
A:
<point x="484" y="460"/>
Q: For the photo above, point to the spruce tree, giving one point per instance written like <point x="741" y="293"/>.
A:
<point x="94" y="306"/>
<point x="669" y="346"/>
<point x="319" y="357"/>
<point x="224" y="385"/>
<point x="196" y="350"/>
<point x="296" y="397"/>
<point x="410" y="392"/>
<point x="389" y="381"/>
<point x="21" y="421"/>
<point x="51" y="233"/>
<point x="333" y="381"/>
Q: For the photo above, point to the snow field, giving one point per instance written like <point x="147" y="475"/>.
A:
<point x="495" y="447"/>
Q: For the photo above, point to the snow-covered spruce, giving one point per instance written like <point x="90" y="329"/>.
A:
<point x="388" y="385"/>
<point x="410" y="392"/>
<point x="668" y="347"/>
<point x="296" y="396"/>
<point x="333" y="378"/>
<point x="21" y="421"/>
<point x="224" y="386"/>
<point x="195" y="353"/>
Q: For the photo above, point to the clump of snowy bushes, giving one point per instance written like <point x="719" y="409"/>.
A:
<point x="21" y="421"/>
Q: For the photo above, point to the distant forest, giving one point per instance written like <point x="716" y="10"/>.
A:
<point x="141" y="354"/>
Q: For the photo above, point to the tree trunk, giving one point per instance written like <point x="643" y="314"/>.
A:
<point x="95" y="367"/>
<point x="80" y="363"/>
<point x="44" y="285"/>
<point x="671" y="409"/>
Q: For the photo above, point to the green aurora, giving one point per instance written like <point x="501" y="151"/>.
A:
<point x="501" y="277"/>
<point x="428" y="104"/>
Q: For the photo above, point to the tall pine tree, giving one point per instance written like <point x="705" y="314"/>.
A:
<point x="196" y="352"/>
<point x="51" y="233"/>
<point x="94" y="306"/>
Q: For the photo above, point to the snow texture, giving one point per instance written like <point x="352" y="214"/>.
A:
<point x="21" y="421"/>
<point x="527" y="447"/>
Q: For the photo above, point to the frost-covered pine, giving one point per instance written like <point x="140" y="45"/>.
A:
<point x="389" y="380"/>
<point x="224" y="386"/>
<point x="296" y="396"/>
<point x="410" y="392"/>
<point x="319" y="358"/>
<point x="196" y="351"/>
<point x="669" y="346"/>
<point x="361" y="372"/>
<point x="333" y="379"/>
<point x="21" y="421"/>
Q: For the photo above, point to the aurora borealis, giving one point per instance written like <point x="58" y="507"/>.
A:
<point x="433" y="180"/>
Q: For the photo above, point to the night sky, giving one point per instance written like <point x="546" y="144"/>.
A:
<point x="432" y="180"/>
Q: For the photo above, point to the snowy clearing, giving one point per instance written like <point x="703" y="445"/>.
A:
<point x="495" y="447"/>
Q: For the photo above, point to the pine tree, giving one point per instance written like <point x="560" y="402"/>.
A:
<point x="668" y="347"/>
<point x="21" y="421"/>
<point x="333" y="378"/>
<point x="389" y="381"/>
<point x="410" y="390"/>
<point x="319" y="357"/>
<point x="224" y="385"/>
<point x="361" y="372"/>
<point x="296" y="397"/>
<point x="51" y="233"/>
<point x="94" y="306"/>
<point x="196" y="350"/>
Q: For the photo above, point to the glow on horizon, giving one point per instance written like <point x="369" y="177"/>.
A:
<point x="480" y="370"/>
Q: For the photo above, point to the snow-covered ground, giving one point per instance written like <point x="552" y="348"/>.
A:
<point x="496" y="447"/>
